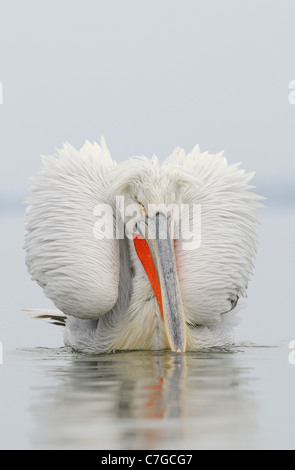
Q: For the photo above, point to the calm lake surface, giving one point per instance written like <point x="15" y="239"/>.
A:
<point x="243" y="398"/>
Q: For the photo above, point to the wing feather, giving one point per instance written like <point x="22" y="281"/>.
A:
<point x="216" y="273"/>
<point x="78" y="272"/>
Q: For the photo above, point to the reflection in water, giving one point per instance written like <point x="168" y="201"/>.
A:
<point x="142" y="400"/>
<point x="158" y="397"/>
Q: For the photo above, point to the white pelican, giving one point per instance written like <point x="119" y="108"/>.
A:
<point x="148" y="292"/>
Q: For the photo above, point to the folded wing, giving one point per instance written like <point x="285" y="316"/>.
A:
<point x="78" y="272"/>
<point x="215" y="273"/>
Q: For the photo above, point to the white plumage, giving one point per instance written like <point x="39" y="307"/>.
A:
<point x="101" y="285"/>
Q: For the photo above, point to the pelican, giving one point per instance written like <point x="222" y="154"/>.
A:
<point x="147" y="289"/>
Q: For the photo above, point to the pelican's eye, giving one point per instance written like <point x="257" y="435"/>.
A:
<point x="142" y="208"/>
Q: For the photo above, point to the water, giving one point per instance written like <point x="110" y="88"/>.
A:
<point x="222" y="399"/>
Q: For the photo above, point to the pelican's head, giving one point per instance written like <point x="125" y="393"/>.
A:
<point x="152" y="197"/>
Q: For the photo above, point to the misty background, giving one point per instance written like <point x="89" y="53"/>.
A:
<point x="148" y="75"/>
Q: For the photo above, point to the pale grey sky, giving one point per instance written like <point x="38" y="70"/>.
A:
<point x="148" y="75"/>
